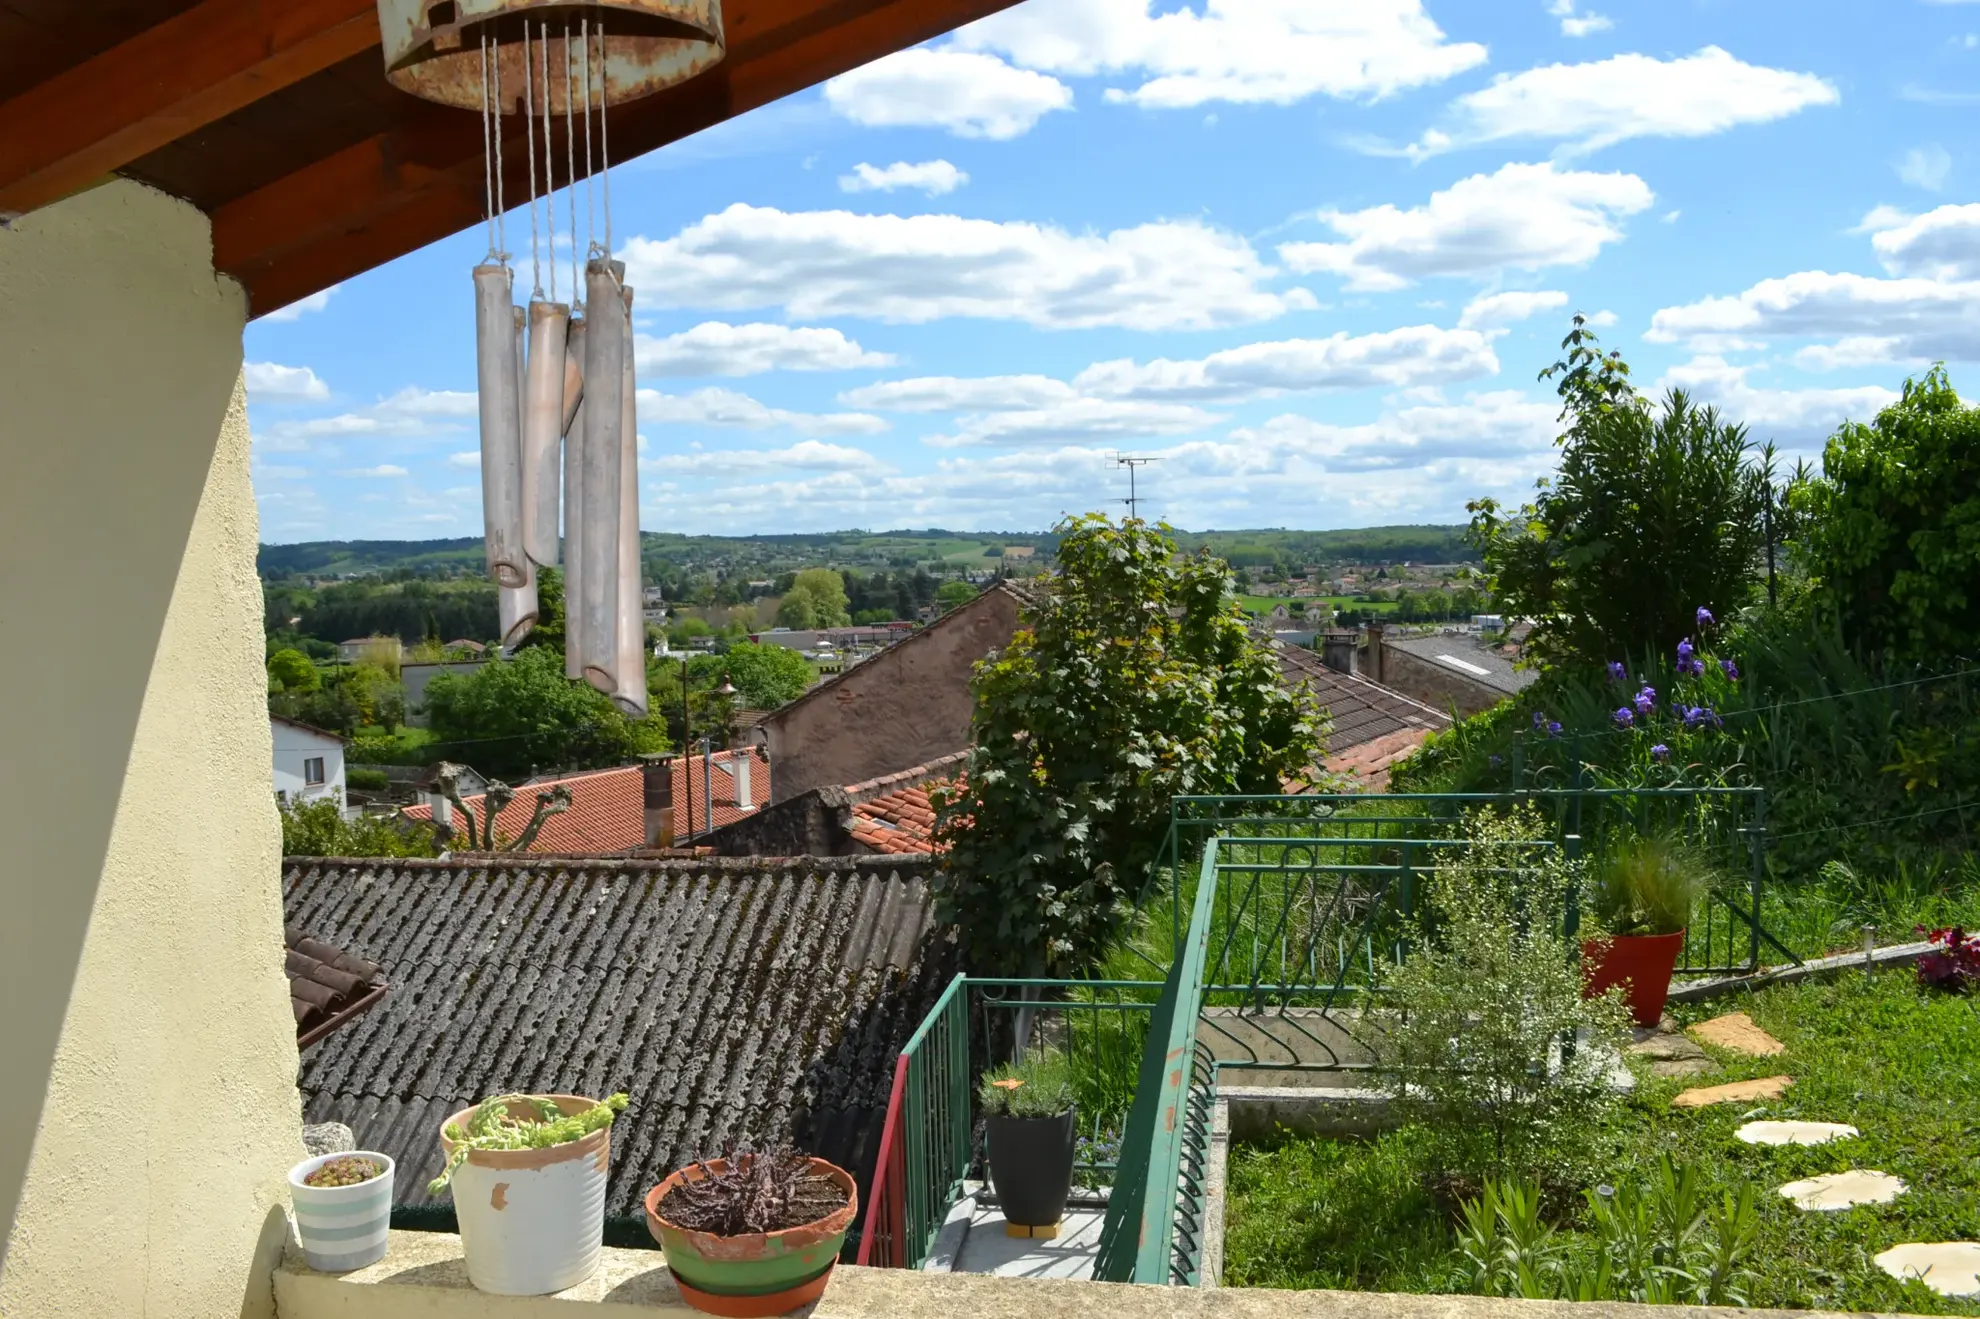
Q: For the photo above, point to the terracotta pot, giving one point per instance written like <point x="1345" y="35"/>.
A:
<point x="1031" y="1166"/>
<point x="1641" y="963"/>
<point x="760" y="1273"/>
<point x="532" y="1221"/>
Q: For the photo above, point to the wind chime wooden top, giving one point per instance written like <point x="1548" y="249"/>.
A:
<point x="433" y="48"/>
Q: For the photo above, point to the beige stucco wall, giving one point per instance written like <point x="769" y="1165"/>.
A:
<point x="140" y="946"/>
<point x="904" y="707"/>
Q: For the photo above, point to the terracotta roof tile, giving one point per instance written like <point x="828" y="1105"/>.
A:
<point x="1362" y="710"/>
<point x="688" y="779"/>
<point x="328" y="987"/>
<point x="607" y="813"/>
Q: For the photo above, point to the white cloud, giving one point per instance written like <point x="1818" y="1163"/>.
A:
<point x="1396" y="359"/>
<point x="1798" y="418"/>
<point x="1925" y="167"/>
<point x="470" y="459"/>
<point x="382" y="470"/>
<point x="1171" y="274"/>
<point x="726" y="408"/>
<point x="1524" y="217"/>
<point x="1489" y="310"/>
<point x="1578" y="25"/>
<point x="410" y="413"/>
<point x="805" y="455"/>
<point x="273" y="383"/>
<point x="934" y="177"/>
<point x="1594" y="105"/>
<point x="1242" y="51"/>
<point x="969" y="93"/>
<point x="1940" y="244"/>
<point x="314" y="302"/>
<point x="960" y="394"/>
<point x="1076" y="420"/>
<point x="1495" y="427"/>
<point x="1849" y="351"/>
<point x="1922" y="318"/>
<point x="715" y="348"/>
<point x="1601" y="319"/>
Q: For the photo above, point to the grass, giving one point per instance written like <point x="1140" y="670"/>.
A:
<point x="1900" y="1063"/>
<point x="404" y="746"/>
<point x="1263" y="604"/>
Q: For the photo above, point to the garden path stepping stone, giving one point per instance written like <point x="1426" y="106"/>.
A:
<point x="1670" y="1052"/>
<point x="1843" y="1190"/>
<point x="1766" y="1087"/>
<point x="1950" y="1268"/>
<point x="1794" y="1133"/>
<point x="1736" y="1032"/>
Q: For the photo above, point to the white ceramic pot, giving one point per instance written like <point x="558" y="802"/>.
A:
<point x="342" y="1227"/>
<point x="532" y="1221"/>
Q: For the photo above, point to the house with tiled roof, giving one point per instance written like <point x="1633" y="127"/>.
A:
<point x="607" y="813"/>
<point x="746" y="1000"/>
<point x="688" y="797"/>
<point x="1455" y="669"/>
<point x="1373" y="726"/>
<point x="890" y="815"/>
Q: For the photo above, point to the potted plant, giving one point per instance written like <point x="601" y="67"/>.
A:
<point x="343" y="1206"/>
<point x="755" y="1233"/>
<point x="528" y="1176"/>
<point x="1641" y="897"/>
<point x="1030" y="1130"/>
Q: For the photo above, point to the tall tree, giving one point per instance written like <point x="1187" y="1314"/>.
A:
<point x="509" y="717"/>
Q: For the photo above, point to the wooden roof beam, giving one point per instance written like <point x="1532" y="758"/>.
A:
<point x="423" y="180"/>
<point x="87" y="121"/>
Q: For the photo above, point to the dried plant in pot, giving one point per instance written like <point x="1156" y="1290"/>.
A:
<point x="755" y="1233"/>
<point x="1032" y="1137"/>
<point x="1642" y="892"/>
<point x="528" y="1176"/>
<point x="343" y="1205"/>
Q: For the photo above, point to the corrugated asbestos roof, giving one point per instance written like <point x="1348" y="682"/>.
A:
<point x="732" y="998"/>
<point x="1362" y="710"/>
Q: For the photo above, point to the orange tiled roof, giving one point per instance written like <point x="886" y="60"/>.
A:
<point x="607" y="813"/>
<point x="891" y="815"/>
<point x="723" y="784"/>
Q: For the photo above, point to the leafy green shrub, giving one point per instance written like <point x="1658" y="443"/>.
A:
<point x="1649" y="884"/>
<point x="1485" y="999"/>
<point x="509" y="717"/>
<point x="492" y="1126"/>
<point x="367" y="780"/>
<point x="1040" y="1086"/>
<point x="320" y="829"/>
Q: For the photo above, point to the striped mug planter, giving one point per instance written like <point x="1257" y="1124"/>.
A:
<point x="342" y="1227"/>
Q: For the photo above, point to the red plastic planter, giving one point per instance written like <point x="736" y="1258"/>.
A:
<point x="1641" y="963"/>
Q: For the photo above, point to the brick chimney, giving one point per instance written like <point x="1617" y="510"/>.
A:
<point x="1337" y="650"/>
<point x="1374" y="665"/>
<point x="658" y="771"/>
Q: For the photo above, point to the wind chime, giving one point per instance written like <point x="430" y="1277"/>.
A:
<point x="557" y="388"/>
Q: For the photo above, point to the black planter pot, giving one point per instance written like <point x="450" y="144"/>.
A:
<point x="1031" y="1166"/>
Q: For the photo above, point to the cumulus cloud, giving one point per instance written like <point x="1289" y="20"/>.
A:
<point x="1583" y="24"/>
<point x="716" y="348"/>
<point x="960" y="394"/>
<point x="1920" y="318"/>
<point x="967" y="92"/>
<point x="1594" y="105"/>
<point x="1925" y="167"/>
<point x="726" y="409"/>
<point x="1170" y="274"/>
<point x="1076" y="419"/>
<point x="1242" y="51"/>
<point x="273" y="383"/>
<point x="471" y="459"/>
<point x="805" y="455"/>
<point x="1413" y="355"/>
<point x="411" y="413"/>
<point x="1940" y="244"/>
<point x="314" y="302"/>
<point x="382" y="470"/>
<point x="1849" y="351"/>
<point x="934" y="177"/>
<point x="1523" y="217"/>
<point x="1491" y="310"/>
<point x="1798" y="418"/>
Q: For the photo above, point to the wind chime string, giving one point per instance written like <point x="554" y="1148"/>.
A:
<point x="487" y="151"/>
<point x="605" y="131"/>
<point x="549" y="156"/>
<point x="570" y="173"/>
<point x="590" y="192"/>
<point x="529" y="139"/>
<point x="501" y="215"/>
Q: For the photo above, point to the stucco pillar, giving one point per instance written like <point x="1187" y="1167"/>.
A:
<point x="147" y="1057"/>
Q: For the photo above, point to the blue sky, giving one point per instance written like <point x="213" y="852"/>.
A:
<point x="1308" y="253"/>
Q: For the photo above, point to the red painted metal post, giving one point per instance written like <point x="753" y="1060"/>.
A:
<point x="889" y="1203"/>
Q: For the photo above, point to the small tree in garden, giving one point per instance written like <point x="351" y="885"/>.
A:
<point x="1656" y="511"/>
<point x="1134" y="680"/>
<point x="1489" y="991"/>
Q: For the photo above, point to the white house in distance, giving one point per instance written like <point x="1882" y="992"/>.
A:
<point x="309" y="763"/>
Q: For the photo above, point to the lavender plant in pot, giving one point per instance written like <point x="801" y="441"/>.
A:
<point x="1642" y="895"/>
<point x="1031" y="1133"/>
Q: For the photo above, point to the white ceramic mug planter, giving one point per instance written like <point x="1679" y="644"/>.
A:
<point x="342" y="1227"/>
<point x="532" y="1221"/>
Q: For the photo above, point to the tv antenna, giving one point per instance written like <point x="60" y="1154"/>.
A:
<point x="1131" y="462"/>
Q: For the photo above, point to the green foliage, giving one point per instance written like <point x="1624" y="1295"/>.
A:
<point x="1487" y="993"/>
<point x="1133" y="681"/>
<point x="816" y="598"/>
<point x="548" y="634"/>
<point x="764" y="677"/>
<point x="1040" y="1086"/>
<point x="1892" y="530"/>
<point x="348" y="699"/>
<point x="951" y="594"/>
<point x="492" y="1125"/>
<point x="319" y="828"/>
<point x="1654" y="513"/>
<point x="291" y="671"/>
<point x="367" y="780"/>
<point x="509" y="717"/>
<point x="1649" y="884"/>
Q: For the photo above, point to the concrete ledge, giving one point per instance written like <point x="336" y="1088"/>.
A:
<point x="422" y="1277"/>
<point x="1900" y="954"/>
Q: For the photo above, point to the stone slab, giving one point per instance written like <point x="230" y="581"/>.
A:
<point x="1795" y="1133"/>
<point x="1666" y="1048"/>
<point x="1836" y="1191"/>
<point x="1737" y="1033"/>
<point x="1680" y="1068"/>
<point x="1765" y="1087"/>
<point x="1950" y="1268"/>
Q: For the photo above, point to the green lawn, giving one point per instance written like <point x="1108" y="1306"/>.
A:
<point x="1900" y="1063"/>
<point x="1264" y="604"/>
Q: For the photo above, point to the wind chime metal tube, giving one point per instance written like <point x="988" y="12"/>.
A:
<point x="516" y="607"/>
<point x="573" y="486"/>
<point x="629" y="692"/>
<point x="605" y="344"/>
<point x="542" y="427"/>
<point x="501" y="431"/>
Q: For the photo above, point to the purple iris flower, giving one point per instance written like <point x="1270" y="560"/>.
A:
<point x="1554" y="728"/>
<point x="1693" y="716"/>
<point x="1615" y="671"/>
<point x="1730" y="669"/>
<point x="1625" y="717"/>
<point x="1660" y="752"/>
<point x="1539" y="720"/>
<point x="1497" y="761"/>
<point x="1688" y="661"/>
<point x="1705" y="619"/>
<point x="1646" y="700"/>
